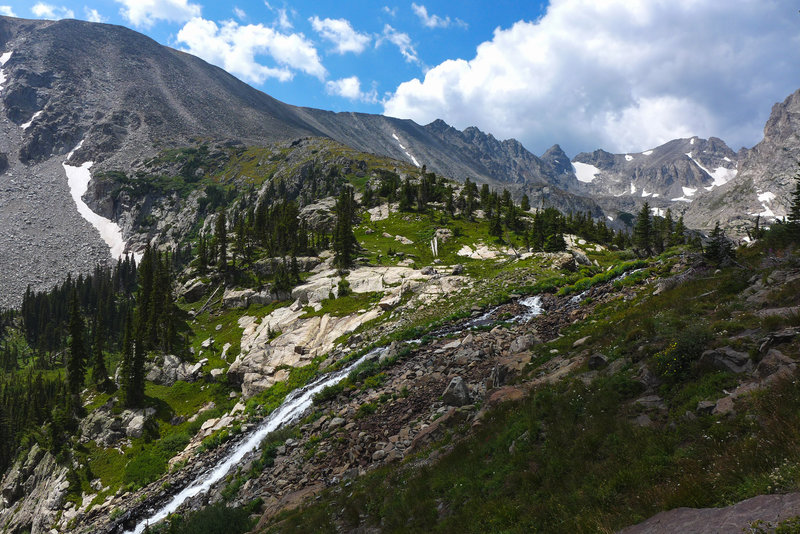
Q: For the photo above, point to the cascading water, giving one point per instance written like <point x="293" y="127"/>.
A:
<point x="292" y="408"/>
<point x="534" y="308"/>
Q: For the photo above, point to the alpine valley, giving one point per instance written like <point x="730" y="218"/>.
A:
<point x="224" y="313"/>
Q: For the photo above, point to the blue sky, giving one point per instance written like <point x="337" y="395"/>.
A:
<point x="623" y="75"/>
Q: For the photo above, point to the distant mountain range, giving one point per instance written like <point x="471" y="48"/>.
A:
<point x="116" y="97"/>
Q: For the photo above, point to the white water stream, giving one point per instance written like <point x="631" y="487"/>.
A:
<point x="292" y="408"/>
<point x="296" y="403"/>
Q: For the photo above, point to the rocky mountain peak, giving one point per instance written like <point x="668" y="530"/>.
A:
<point x="558" y="160"/>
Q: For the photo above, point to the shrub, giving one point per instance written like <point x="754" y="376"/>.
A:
<point x="366" y="409"/>
<point x="675" y="361"/>
<point x="214" y="519"/>
<point x="328" y="393"/>
<point x="144" y="468"/>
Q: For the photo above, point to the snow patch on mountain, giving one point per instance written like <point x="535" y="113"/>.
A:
<point x="628" y="157"/>
<point x="647" y="152"/>
<point x="27" y="125"/>
<point x="584" y="172"/>
<point x="633" y="189"/>
<point x="765" y="199"/>
<point x="78" y="179"/>
<point x="3" y="59"/>
<point x="688" y="191"/>
<point x="720" y="175"/>
<point x="413" y="159"/>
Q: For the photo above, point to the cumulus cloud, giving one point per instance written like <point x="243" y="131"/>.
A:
<point x="282" y="21"/>
<point x="622" y="75"/>
<point x="235" y="48"/>
<point x="49" y="11"/>
<point x="341" y="33"/>
<point x="145" y="13"/>
<point x="434" y="21"/>
<point x="7" y="11"/>
<point x="92" y="15"/>
<point x="401" y="40"/>
<point x="240" y="13"/>
<point x="350" y="88"/>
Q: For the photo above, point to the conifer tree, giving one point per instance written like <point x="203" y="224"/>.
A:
<point x="76" y="360"/>
<point x="221" y="237"/>
<point x="678" y="237"/>
<point x="525" y="204"/>
<point x="126" y="366"/>
<point x="136" y="390"/>
<point x="719" y="249"/>
<point x="793" y="217"/>
<point x="643" y="231"/>
<point x="99" y="371"/>
<point x="344" y="241"/>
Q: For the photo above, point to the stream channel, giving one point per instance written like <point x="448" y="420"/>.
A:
<point x="296" y="404"/>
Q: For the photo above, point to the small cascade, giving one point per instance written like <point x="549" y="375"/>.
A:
<point x="293" y="407"/>
<point x="533" y="307"/>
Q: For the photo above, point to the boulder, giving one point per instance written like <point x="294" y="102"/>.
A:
<point x="389" y="302"/>
<point x="172" y="369"/>
<point x="319" y="216"/>
<point x="523" y="343"/>
<point x="457" y="393"/>
<point x="498" y="376"/>
<point x="580" y="257"/>
<point x="135" y="427"/>
<point x="102" y="427"/>
<point x="727" y="359"/>
<point x="597" y="361"/>
<point x="193" y="290"/>
<point x="774" y="361"/>
<point x="443" y="234"/>
<point x="237" y="299"/>
<point x="562" y="260"/>
<point x="336" y="422"/>
<point x="706" y="407"/>
<point x="457" y="269"/>
<point x="580" y="342"/>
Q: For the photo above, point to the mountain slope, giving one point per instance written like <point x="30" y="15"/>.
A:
<point x="120" y="98"/>
<point x="765" y="180"/>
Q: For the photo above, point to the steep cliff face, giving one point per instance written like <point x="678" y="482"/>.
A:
<point x="765" y="180"/>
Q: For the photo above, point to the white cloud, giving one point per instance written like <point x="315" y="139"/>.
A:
<point x="391" y="11"/>
<point x="341" y="34"/>
<point x="92" y="15"/>
<point x="49" y="11"/>
<point x="235" y="48"/>
<point x="240" y="14"/>
<point x="350" y="88"/>
<point x="434" y="21"/>
<point x="624" y="75"/>
<point x="7" y="11"/>
<point x="282" y="21"/>
<point x="401" y="40"/>
<point x="145" y="13"/>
